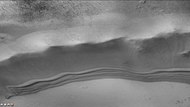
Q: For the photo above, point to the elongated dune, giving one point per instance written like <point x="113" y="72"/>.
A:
<point x="69" y="53"/>
<point x="161" y="58"/>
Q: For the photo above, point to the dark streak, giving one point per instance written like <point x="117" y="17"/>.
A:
<point x="182" y="76"/>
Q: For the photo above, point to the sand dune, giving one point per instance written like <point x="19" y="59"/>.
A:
<point x="123" y="56"/>
<point x="133" y="53"/>
<point x="34" y="86"/>
<point x="95" y="29"/>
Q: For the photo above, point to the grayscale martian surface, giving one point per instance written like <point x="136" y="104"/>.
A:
<point x="93" y="53"/>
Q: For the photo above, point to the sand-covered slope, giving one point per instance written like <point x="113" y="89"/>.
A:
<point x="162" y="58"/>
<point x="143" y="42"/>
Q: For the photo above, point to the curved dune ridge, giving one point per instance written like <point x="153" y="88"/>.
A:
<point x="136" y="47"/>
<point x="96" y="29"/>
<point x="95" y="53"/>
<point x="140" y="60"/>
<point x="30" y="87"/>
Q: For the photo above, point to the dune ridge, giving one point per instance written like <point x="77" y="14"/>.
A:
<point x="130" y="59"/>
<point x="34" y="86"/>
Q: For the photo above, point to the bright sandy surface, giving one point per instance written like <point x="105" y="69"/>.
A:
<point x="109" y="93"/>
<point x="96" y="29"/>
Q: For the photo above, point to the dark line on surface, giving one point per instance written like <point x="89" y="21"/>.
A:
<point x="181" y="76"/>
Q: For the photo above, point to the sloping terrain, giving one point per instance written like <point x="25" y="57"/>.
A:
<point x="125" y="53"/>
<point x="161" y="58"/>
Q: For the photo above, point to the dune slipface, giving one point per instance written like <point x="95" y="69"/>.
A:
<point x="119" y="58"/>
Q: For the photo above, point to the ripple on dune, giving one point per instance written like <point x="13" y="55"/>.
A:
<point x="179" y="75"/>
